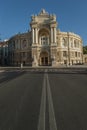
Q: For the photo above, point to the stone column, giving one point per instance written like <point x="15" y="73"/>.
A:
<point x="54" y="30"/>
<point x="36" y="37"/>
<point x="51" y="35"/>
<point x="32" y="35"/>
<point x="48" y="40"/>
<point x="73" y="42"/>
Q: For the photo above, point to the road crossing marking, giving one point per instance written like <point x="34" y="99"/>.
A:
<point x="42" y="115"/>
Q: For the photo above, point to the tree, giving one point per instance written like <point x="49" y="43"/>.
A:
<point x="85" y="50"/>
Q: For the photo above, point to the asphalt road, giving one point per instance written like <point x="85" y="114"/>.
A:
<point x="43" y="101"/>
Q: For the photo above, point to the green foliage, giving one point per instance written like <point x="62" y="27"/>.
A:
<point x="85" y="50"/>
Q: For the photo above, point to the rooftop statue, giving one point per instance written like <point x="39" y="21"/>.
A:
<point x="43" y="12"/>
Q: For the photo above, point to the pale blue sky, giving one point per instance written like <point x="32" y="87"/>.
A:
<point x="15" y="15"/>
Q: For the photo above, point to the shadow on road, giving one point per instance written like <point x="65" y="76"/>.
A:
<point x="8" y="76"/>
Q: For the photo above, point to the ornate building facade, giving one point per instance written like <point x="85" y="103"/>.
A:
<point x="44" y="44"/>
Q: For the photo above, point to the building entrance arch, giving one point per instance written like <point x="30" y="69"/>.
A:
<point x="44" y="58"/>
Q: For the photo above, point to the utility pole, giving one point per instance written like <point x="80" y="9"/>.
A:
<point x="68" y="49"/>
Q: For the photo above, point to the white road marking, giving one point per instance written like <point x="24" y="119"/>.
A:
<point x="52" y="120"/>
<point x="41" y="124"/>
<point x="42" y="115"/>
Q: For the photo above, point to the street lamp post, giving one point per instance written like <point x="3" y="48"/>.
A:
<point x="68" y="49"/>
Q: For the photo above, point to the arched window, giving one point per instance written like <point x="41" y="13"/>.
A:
<point x="24" y="44"/>
<point x="64" y="42"/>
<point x="13" y="45"/>
<point x="44" y="40"/>
<point x="74" y="43"/>
<point x="71" y="42"/>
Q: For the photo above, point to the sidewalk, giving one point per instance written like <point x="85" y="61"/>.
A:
<point x="43" y="67"/>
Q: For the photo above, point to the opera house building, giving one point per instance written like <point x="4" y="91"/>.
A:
<point x="44" y="44"/>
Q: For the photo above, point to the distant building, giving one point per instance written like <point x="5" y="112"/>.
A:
<point x="44" y="44"/>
